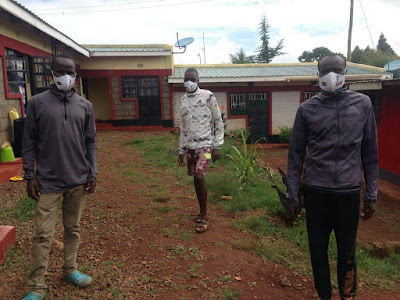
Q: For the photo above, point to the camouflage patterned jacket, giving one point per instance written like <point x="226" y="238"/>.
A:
<point x="201" y="123"/>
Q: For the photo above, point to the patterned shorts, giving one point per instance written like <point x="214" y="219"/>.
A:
<point x="197" y="161"/>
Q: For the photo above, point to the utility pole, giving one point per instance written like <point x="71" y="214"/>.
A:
<point x="350" y="31"/>
<point x="204" y="50"/>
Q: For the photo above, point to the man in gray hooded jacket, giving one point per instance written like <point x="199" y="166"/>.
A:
<point x="334" y="137"/>
<point x="60" y="138"/>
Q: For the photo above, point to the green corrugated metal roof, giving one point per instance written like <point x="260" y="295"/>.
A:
<point x="267" y="70"/>
<point x="128" y="49"/>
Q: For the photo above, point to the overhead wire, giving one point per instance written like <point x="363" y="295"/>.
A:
<point x="119" y="9"/>
<point x="100" y="5"/>
<point x="366" y="23"/>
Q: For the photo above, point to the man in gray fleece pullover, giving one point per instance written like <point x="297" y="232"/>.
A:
<point x="60" y="136"/>
<point x="334" y="136"/>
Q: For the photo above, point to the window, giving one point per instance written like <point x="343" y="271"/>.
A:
<point x="134" y="87"/>
<point x="240" y="102"/>
<point x="308" y="94"/>
<point x="129" y="87"/>
<point x="41" y="75"/>
<point x="17" y="72"/>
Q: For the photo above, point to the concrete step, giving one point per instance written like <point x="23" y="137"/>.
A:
<point x="10" y="169"/>
<point x="7" y="239"/>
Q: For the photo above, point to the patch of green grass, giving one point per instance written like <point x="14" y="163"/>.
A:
<point x="168" y="231"/>
<point x="186" y="235"/>
<point x="25" y="210"/>
<point x="289" y="246"/>
<point x="225" y="278"/>
<point x="194" y="269"/>
<point x="177" y="249"/>
<point x="135" y="142"/>
<point x="196" y="253"/>
<point x="165" y="209"/>
<point x="227" y="293"/>
<point x="15" y="257"/>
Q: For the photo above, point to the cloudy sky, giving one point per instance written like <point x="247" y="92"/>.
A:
<point x="227" y="25"/>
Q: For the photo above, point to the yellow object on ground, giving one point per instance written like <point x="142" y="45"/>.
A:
<point x="207" y="155"/>
<point x="17" y="178"/>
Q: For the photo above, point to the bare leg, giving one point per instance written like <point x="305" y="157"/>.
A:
<point x="201" y="192"/>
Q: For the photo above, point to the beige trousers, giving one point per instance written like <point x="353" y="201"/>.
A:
<point x="45" y="222"/>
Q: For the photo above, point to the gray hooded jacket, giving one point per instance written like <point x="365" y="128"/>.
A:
<point x="60" y="136"/>
<point x="334" y="136"/>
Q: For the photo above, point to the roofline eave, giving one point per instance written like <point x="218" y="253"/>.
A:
<point x="128" y="53"/>
<point x="279" y="78"/>
<point x="27" y="17"/>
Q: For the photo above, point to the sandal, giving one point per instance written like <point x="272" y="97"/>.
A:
<point x="34" y="296"/>
<point x="78" y="279"/>
<point x="202" y="226"/>
<point x="197" y="218"/>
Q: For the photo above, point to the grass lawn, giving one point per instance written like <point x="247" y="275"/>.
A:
<point x="258" y="208"/>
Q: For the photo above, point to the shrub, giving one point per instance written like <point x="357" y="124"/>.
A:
<point x="245" y="160"/>
<point x="284" y="136"/>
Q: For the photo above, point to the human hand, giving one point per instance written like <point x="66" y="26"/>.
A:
<point x="368" y="210"/>
<point x="180" y="160"/>
<point x="33" y="189"/>
<point x="215" y="154"/>
<point x="90" y="185"/>
<point x="292" y="210"/>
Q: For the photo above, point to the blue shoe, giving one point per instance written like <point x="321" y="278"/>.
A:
<point x="78" y="279"/>
<point x="34" y="296"/>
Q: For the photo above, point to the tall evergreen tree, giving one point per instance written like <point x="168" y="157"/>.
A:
<point x="265" y="53"/>
<point x="384" y="46"/>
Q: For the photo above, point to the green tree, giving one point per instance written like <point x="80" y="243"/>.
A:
<point x="314" y="55"/>
<point x="265" y="53"/>
<point x="240" y="57"/>
<point x="384" y="46"/>
<point x="375" y="57"/>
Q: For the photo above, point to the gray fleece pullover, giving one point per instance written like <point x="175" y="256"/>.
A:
<point x="60" y="135"/>
<point x="334" y="136"/>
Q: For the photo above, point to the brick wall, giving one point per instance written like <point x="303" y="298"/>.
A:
<point x="165" y="99"/>
<point x="122" y="110"/>
<point x="5" y="106"/>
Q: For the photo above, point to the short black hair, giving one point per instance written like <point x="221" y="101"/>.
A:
<point x="332" y="55"/>
<point x="60" y="55"/>
<point x="192" y="70"/>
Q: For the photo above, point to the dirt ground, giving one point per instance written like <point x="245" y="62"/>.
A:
<point x="130" y="254"/>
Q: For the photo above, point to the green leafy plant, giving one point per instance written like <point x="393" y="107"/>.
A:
<point x="245" y="160"/>
<point x="286" y="133"/>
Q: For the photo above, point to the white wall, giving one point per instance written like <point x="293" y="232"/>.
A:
<point x="284" y="108"/>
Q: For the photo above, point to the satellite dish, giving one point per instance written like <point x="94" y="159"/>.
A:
<point x="393" y="65"/>
<point x="184" y="42"/>
<point x="181" y="44"/>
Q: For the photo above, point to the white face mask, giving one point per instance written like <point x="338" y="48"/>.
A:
<point x="65" y="82"/>
<point x="331" y="82"/>
<point x="190" y="86"/>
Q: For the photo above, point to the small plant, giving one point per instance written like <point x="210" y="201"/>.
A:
<point x="225" y="278"/>
<point x="286" y="133"/>
<point x="230" y="294"/>
<point x="194" y="269"/>
<point x="177" y="249"/>
<point x="245" y="160"/>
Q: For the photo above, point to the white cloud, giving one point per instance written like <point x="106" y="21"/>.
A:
<point x="304" y="24"/>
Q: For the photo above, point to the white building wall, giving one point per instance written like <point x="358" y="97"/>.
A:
<point x="284" y="108"/>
